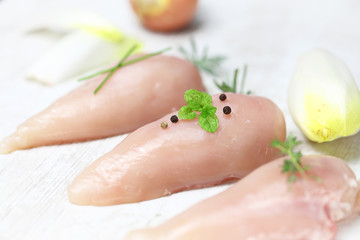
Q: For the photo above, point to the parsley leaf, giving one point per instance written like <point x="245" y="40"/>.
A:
<point x="197" y="100"/>
<point x="208" y="122"/>
<point x="187" y="112"/>
<point x="293" y="164"/>
<point x="209" y="110"/>
<point x="200" y="102"/>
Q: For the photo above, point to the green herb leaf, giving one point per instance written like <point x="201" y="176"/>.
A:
<point x="293" y="164"/>
<point x="209" y="122"/>
<point x="186" y="112"/>
<point x="292" y="178"/>
<point x="209" y="110"/>
<point x="288" y="166"/>
<point x="197" y="100"/>
<point x="206" y="99"/>
<point x="194" y="99"/>
<point x="111" y="70"/>
<point x="212" y="65"/>
<point x="200" y="102"/>
<point x="242" y="86"/>
<point x="209" y="64"/>
<point x="121" y="63"/>
<point x="225" y="87"/>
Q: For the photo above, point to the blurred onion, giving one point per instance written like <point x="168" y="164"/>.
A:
<point x="164" y="15"/>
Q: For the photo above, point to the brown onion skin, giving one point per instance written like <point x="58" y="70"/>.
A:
<point x="177" y="15"/>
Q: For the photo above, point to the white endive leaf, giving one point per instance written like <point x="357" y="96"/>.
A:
<point x="323" y="98"/>
<point x="75" y="54"/>
<point x="90" y="42"/>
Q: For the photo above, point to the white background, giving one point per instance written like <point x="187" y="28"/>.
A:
<point x="266" y="35"/>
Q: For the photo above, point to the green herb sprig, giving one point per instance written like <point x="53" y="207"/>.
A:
<point x="122" y="63"/>
<point x="225" y="87"/>
<point x="200" y="102"/>
<point x="203" y="62"/>
<point x="293" y="164"/>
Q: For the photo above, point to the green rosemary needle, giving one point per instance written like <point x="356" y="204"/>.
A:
<point x="203" y="62"/>
<point x="242" y="86"/>
<point x="122" y="63"/>
<point x="127" y="54"/>
<point x="233" y="88"/>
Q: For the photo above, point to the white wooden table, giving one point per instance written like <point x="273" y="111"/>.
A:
<point x="266" y="35"/>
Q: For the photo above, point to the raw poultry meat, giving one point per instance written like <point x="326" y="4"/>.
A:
<point x="264" y="206"/>
<point x="153" y="162"/>
<point x="134" y="96"/>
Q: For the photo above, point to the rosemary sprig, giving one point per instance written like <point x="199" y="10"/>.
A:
<point x="234" y="87"/>
<point x="242" y="86"/>
<point x="293" y="164"/>
<point x="203" y="62"/>
<point x="212" y="66"/>
<point x="127" y="54"/>
<point x="111" y="72"/>
<point x="121" y="63"/>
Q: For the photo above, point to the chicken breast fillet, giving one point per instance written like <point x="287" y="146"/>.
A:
<point x="264" y="206"/>
<point x="134" y="96"/>
<point x="153" y="162"/>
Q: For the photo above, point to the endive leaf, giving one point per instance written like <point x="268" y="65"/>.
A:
<point x="323" y="98"/>
<point x="75" y="54"/>
<point x="90" y="41"/>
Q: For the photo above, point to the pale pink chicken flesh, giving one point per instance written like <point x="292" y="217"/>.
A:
<point x="153" y="162"/>
<point x="134" y="96"/>
<point x="264" y="206"/>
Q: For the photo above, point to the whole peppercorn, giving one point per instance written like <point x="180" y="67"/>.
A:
<point x="227" y="110"/>
<point x="222" y="97"/>
<point x="174" y="119"/>
<point x="164" y="125"/>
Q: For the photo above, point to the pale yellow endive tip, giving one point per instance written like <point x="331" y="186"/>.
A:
<point x="89" y="45"/>
<point x="323" y="98"/>
<point x="112" y="34"/>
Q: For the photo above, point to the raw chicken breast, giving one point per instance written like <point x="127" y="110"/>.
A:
<point x="153" y="162"/>
<point x="134" y="96"/>
<point x="264" y="206"/>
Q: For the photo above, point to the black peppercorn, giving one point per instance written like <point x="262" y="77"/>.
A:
<point x="222" y="97"/>
<point x="227" y="110"/>
<point x="174" y="119"/>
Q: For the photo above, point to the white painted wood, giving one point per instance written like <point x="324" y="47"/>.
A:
<point x="266" y="35"/>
